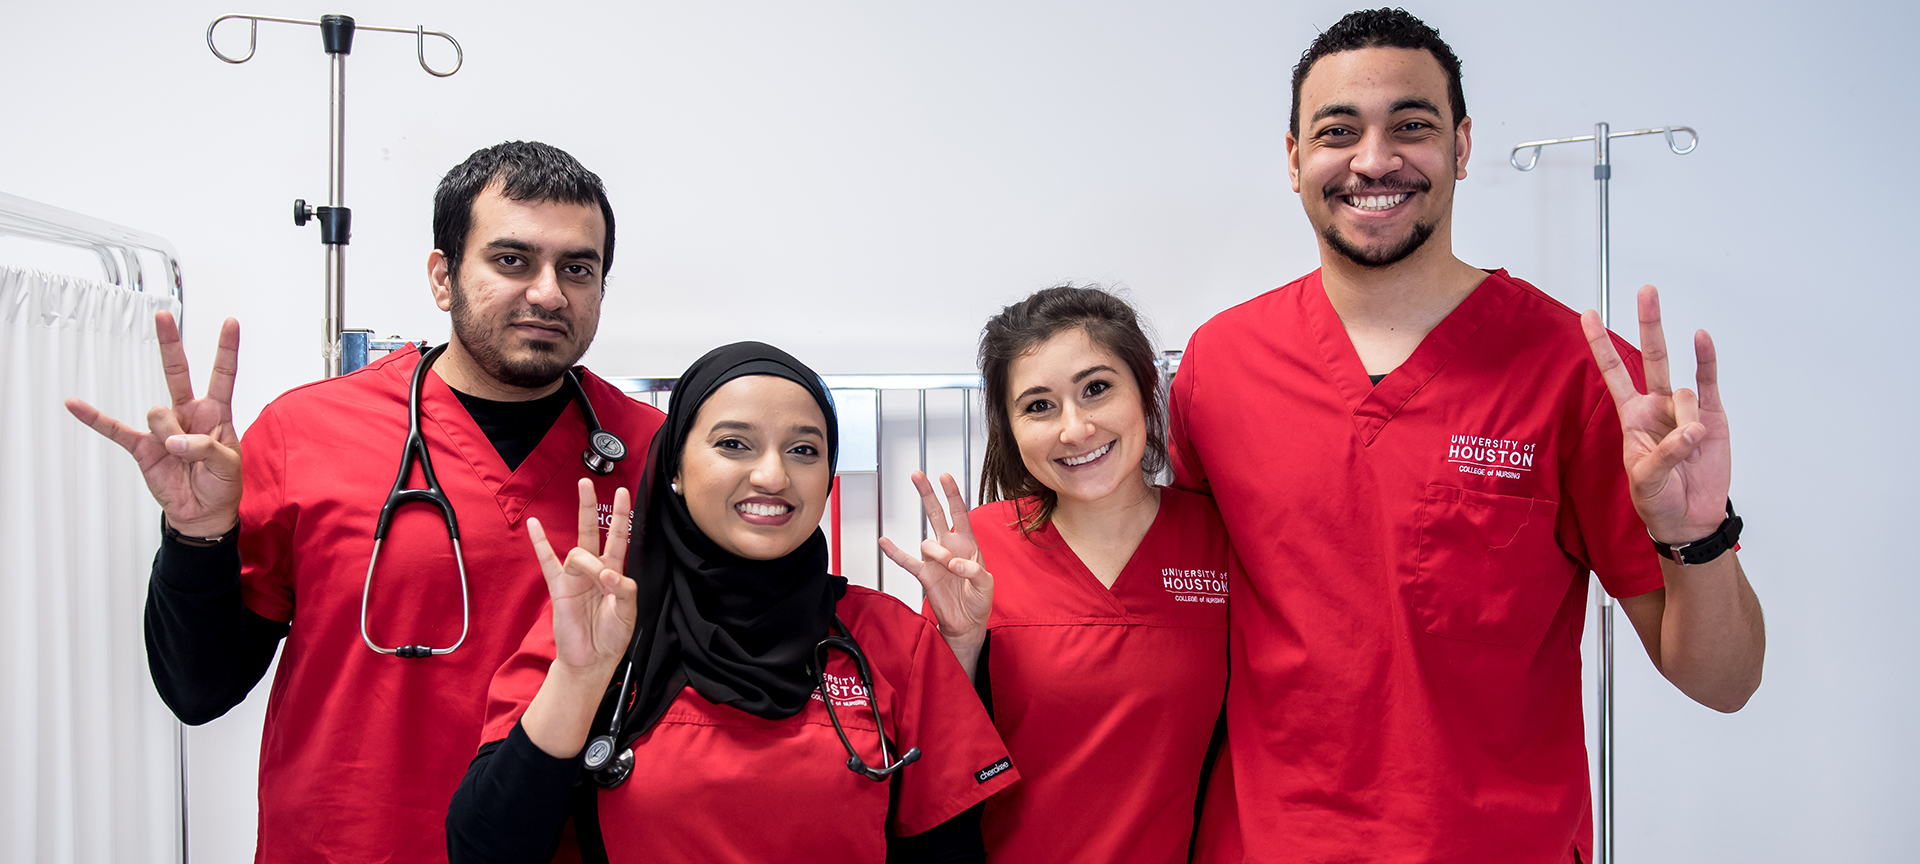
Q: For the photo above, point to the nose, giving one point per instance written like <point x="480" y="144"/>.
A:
<point x="545" y="291"/>
<point x="1376" y="156"/>
<point x="1077" y="425"/>
<point x="769" y="473"/>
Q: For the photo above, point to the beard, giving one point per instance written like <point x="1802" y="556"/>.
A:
<point x="486" y="344"/>
<point x="1378" y="256"/>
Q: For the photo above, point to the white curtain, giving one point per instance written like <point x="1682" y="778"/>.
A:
<point x="87" y="750"/>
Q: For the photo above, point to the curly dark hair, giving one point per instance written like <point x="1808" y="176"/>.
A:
<point x="1024" y="326"/>
<point x="1381" y="28"/>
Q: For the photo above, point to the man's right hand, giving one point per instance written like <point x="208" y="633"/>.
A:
<point x="190" y="455"/>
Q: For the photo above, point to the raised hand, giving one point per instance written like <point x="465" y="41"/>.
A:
<point x="190" y="455"/>
<point x="1679" y="463"/>
<point x="957" y="585"/>
<point x="593" y="604"/>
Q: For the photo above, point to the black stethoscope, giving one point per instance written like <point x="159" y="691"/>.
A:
<point x="603" y="450"/>
<point x="608" y="771"/>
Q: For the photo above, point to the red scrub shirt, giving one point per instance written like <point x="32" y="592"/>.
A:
<point x="1107" y="698"/>
<point x="362" y="752"/>
<point x="714" y="784"/>
<point x="1406" y="627"/>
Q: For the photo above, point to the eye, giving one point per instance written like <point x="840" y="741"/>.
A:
<point x="1336" y="133"/>
<point x="510" y="260"/>
<point x="1097" y="387"/>
<point x="580" y="270"/>
<point x="731" y="444"/>
<point x="805" y="450"/>
<point x="1037" y="406"/>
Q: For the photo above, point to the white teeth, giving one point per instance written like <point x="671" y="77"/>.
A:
<point x="1082" y="460"/>
<point x="752" y="509"/>
<point x="1376" y="202"/>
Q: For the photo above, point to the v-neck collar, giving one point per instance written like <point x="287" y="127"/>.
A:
<point x="1374" y="405"/>
<point x="513" y="489"/>
<point x="1084" y="574"/>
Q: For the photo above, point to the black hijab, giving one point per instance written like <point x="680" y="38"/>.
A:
<point x="742" y="632"/>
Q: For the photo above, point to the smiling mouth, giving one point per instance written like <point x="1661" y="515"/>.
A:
<point x="1076" y="461"/>
<point x="1375" y="203"/>
<point x="749" y="508"/>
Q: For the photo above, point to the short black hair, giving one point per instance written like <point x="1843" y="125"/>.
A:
<point x="527" y="171"/>
<point x="1381" y="28"/>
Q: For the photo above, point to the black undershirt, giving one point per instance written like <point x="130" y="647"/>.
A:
<point x="1376" y="378"/>
<point x="206" y="650"/>
<point x="516" y="428"/>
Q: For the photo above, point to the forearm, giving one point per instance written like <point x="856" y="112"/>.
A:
<point x="511" y="805"/>
<point x="205" y="648"/>
<point x="1713" y="638"/>
<point x="560" y="717"/>
<point x="966" y="649"/>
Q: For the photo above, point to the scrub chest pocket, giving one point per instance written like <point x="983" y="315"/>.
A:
<point x="1486" y="567"/>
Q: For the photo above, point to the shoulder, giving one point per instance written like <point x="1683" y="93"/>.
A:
<point x="611" y="400"/>
<point x="1254" y="311"/>
<point x="1535" y="311"/>
<point x="385" y="380"/>
<point x="882" y="624"/>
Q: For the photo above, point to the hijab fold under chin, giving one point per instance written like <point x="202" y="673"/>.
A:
<point x="740" y="631"/>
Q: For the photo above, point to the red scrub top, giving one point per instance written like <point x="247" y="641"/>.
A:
<point x="1406" y="626"/>
<point x="714" y="784"/>
<point x="362" y="752"/>
<point x="1107" y="698"/>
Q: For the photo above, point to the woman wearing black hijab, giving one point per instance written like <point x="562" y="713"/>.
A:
<point x="734" y="753"/>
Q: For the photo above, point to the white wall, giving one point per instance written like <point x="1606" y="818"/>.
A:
<point x="864" y="183"/>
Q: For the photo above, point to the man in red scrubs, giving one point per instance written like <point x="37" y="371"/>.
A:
<point x="363" y="750"/>
<point x="1418" y="463"/>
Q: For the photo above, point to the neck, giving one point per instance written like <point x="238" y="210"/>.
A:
<point x="1388" y="310"/>
<point x="458" y="369"/>
<point x="1120" y="517"/>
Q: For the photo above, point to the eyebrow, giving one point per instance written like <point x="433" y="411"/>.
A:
<point x="1077" y="378"/>
<point x="1413" y="103"/>
<point x="1342" y="109"/>
<point x="583" y="253"/>
<point x="744" y="426"/>
<point x="1339" y="109"/>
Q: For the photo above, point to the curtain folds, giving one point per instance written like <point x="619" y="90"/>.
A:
<point x="87" y="750"/>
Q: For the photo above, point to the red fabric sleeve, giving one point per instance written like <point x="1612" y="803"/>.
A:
<point x="266" y="520"/>
<point x="962" y="760"/>
<point x="1598" y="524"/>
<point x="518" y="680"/>
<point x="1188" y="473"/>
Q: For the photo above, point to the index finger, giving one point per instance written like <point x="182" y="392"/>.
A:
<point x="116" y="431"/>
<point x="622" y="525"/>
<point x="549" y="563"/>
<point x="173" y="358"/>
<point x="589" y="518"/>
<point x="1653" y="343"/>
<point x="961" y="524"/>
<point x="226" y="364"/>
<point x="1612" y="370"/>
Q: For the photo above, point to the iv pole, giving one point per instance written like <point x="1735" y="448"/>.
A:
<point x="336" y="37"/>
<point x="1602" y="138"/>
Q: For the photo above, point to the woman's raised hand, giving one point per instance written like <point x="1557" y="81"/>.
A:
<point x="593" y="603"/>
<point x="957" y="585"/>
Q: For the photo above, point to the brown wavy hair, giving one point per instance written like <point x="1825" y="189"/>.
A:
<point x="1024" y="326"/>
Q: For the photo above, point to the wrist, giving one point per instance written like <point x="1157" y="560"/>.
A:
<point x="203" y="532"/>
<point x="1701" y="550"/>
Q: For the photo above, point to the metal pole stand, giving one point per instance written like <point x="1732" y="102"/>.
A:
<point x="1602" y="139"/>
<point x="336" y="221"/>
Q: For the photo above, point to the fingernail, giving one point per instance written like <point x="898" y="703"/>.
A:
<point x="177" y="444"/>
<point x="1691" y="437"/>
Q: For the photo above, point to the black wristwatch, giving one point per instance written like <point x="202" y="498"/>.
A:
<point x="1706" y="548"/>
<point x="167" y="531"/>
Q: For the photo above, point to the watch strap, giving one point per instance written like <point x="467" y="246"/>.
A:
<point x="168" y="532"/>
<point x="1706" y="548"/>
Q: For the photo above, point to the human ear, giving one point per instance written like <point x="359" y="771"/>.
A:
<point x="440" y="280"/>
<point x="1293" y="161"/>
<point x="1462" y="147"/>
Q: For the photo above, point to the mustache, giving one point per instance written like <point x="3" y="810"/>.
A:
<point x="539" y="313"/>
<point x="1383" y="186"/>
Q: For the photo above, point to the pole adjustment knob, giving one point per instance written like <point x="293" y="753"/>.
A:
<point x="301" y="212"/>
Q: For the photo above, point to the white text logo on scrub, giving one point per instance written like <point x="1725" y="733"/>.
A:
<point x="1194" y="586"/>
<point x="605" y="512"/>
<point x="1490" y="457"/>
<point x="845" y="690"/>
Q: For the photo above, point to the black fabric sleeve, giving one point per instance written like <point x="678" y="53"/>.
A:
<point x="982" y="681"/>
<point x="205" y="648"/>
<point x="955" y="841"/>
<point x="511" y="805"/>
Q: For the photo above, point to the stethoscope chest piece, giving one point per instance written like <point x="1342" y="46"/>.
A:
<point x="603" y="450"/>
<point x="607" y="769"/>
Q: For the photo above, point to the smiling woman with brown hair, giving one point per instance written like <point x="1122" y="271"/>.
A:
<point x="1099" y="639"/>
<point x="730" y="711"/>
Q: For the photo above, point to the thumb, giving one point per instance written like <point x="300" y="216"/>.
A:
<point x="219" y="458"/>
